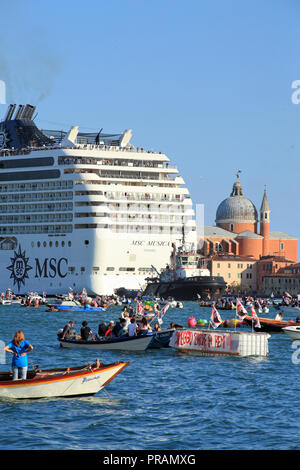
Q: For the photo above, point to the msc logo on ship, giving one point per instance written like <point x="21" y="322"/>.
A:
<point x="49" y="267"/>
<point x="19" y="267"/>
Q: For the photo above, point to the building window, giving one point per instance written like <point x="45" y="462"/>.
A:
<point x="229" y="275"/>
<point x="229" y="266"/>
<point x="231" y="227"/>
<point x="218" y="265"/>
<point x="281" y="246"/>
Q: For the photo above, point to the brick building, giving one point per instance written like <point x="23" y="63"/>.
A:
<point x="240" y="234"/>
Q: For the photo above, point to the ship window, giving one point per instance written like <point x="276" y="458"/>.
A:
<point x="69" y="243"/>
<point x="44" y="244"/>
<point x="62" y="243"/>
<point x="38" y="244"/>
<point x="86" y="242"/>
<point x="56" y="244"/>
<point x="110" y="268"/>
<point x="50" y="244"/>
<point x="82" y="269"/>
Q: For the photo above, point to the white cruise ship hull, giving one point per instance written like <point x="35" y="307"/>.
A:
<point x="99" y="266"/>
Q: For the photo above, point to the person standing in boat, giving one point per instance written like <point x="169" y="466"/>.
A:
<point x="19" y="347"/>
<point x="132" y="327"/>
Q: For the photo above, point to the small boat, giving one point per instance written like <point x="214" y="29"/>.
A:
<point x="71" y="381"/>
<point x="5" y="301"/>
<point x="161" y="339"/>
<point x="269" y="324"/>
<point x="110" y="343"/>
<point x="292" y="331"/>
<point x="73" y="306"/>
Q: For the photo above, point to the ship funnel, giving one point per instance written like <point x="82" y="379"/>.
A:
<point x="19" y="111"/>
<point x="10" y="112"/>
<point x="28" y="112"/>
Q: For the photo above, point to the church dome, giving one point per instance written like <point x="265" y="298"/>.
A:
<point x="236" y="207"/>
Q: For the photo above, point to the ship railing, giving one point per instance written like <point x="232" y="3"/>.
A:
<point x="78" y="146"/>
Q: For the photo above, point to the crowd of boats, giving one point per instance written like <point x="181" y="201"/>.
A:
<point x="140" y="328"/>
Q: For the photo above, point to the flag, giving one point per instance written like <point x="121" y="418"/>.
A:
<point x="254" y="317"/>
<point x="215" y="318"/>
<point x="241" y="312"/>
<point x="140" y="308"/>
<point x="161" y="313"/>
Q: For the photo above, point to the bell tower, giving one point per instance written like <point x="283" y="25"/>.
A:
<point x="265" y="224"/>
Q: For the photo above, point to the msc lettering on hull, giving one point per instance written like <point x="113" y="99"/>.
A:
<point x="20" y="265"/>
<point x="150" y="243"/>
<point x="51" y="267"/>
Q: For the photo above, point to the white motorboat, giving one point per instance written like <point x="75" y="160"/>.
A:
<point x="71" y="381"/>
<point x="292" y="331"/>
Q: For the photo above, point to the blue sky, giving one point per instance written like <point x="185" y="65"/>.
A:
<point x="206" y="82"/>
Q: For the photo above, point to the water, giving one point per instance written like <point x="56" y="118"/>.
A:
<point x="164" y="400"/>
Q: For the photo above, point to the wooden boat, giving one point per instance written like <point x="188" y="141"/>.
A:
<point x="71" y="381"/>
<point x="269" y="324"/>
<point x="121" y="343"/>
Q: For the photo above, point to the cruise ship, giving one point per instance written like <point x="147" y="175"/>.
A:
<point x="85" y="210"/>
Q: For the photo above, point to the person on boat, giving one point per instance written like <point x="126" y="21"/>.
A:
<point x="102" y="328"/>
<point x="279" y="316"/>
<point x="110" y="328"/>
<point x="85" y="331"/>
<point x="175" y="325"/>
<point x="127" y="320"/>
<point x="297" y="319"/>
<point x="144" y="327"/>
<point x="19" y="347"/>
<point x="68" y="331"/>
<point x="119" y="328"/>
<point x="132" y="327"/>
<point x="157" y="327"/>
